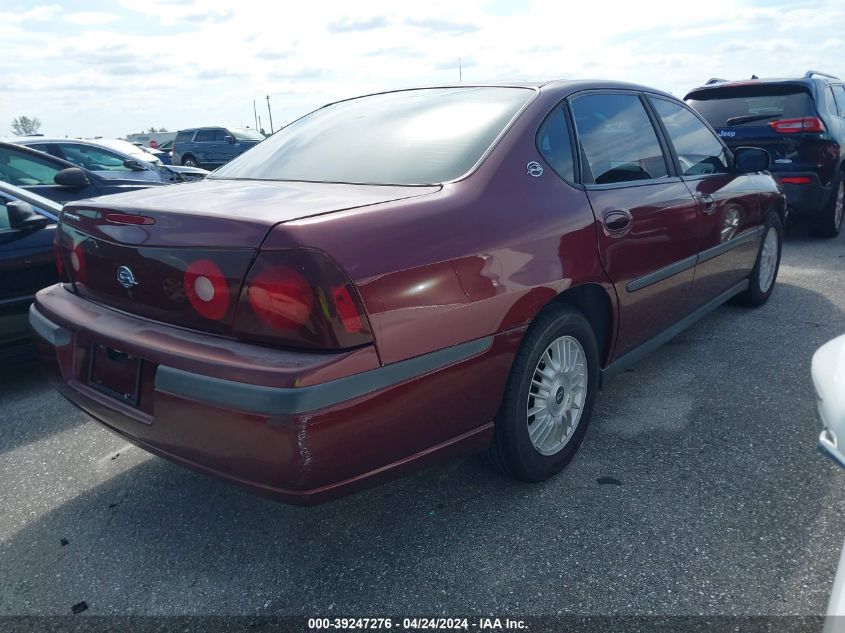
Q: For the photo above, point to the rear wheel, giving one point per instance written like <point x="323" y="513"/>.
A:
<point x="829" y="221"/>
<point x="549" y="397"/>
<point x="190" y="161"/>
<point x="761" y="282"/>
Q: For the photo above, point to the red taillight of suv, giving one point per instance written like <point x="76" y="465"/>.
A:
<point x="801" y="124"/>
<point x="300" y="298"/>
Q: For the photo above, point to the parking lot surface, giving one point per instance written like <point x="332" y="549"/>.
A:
<point x="696" y="491"/>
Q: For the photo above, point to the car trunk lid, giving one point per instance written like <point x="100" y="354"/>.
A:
<point x="136" y="252"/>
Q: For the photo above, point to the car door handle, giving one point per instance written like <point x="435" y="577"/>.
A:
<point x="707" y="202"/>
<point x="617" y="222"/>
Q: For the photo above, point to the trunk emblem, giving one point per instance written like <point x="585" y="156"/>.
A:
<point x="125" y="277"/>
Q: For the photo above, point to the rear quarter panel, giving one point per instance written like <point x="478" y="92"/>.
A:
<point x="483" y="255"/>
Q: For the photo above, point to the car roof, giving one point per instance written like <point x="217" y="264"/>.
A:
<point x="562" y="86"/>
<point x="813" y="82"/>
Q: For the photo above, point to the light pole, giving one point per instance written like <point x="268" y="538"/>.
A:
<point x="255" y="113"/>
<point x="270" y="112"/>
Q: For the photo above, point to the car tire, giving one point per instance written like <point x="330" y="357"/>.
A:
<point x="190" y="161"/>
<point x="828" y="223"/>
<point x="517" y="449"/>
<point x="761" y="281"/>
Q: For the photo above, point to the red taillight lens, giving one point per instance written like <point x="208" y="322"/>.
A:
<point x="281" y="298"/>
<point x="301" y="298"/>
<point x="59" y="257"/>
<point x="801" y="124"/>
<point x="796" y="180"/>
<point x="207" y="289"/>
<point x="77" y="264"/>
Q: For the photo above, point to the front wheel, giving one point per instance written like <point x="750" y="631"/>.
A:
<point x="549" y="397"/>
<point x="761" y="282"/>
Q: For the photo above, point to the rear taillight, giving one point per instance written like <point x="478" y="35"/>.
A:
<point x="58" y="256"/>
<point x="301" y="298"/>
<point x="795" y="180"/>
<point x="77" y="264"/>
<point x="801" y="124"/>
<point x="207" y="289"/>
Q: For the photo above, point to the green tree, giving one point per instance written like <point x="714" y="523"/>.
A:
<point x="24" y="126"/>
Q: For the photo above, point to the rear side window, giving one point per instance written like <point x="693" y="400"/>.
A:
<point x="554" y="144"/>
<point x="618" y="138"/>
<point x="839" y="96"/>
<point x="751" y="105"/>
<point x="698" y="150"/>
<point x="184" y="137"/>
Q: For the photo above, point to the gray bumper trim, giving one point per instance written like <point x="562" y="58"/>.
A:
<point x="46" y="329"/>
<point x="279" y="400"/>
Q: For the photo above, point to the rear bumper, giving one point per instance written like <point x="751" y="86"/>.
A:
<point x="300" y="427"/>
<point x="804" y="199"/>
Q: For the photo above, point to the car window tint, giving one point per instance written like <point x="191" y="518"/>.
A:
<point x="23" y="169"/>
<point x="554" y="144"/>
<point x="183" y="137"/>
<point x="751" y="105"/>
<point x="204" y="136"/>
<point x="829" y="101"/>
<point x="839" y="95"/>
<point x="407" y="137"/>
<point x="220" y="136"/>
<point x="4" y="215"/>
<point x="93" y="158"/>
<point x="618" y="138"/>
<point x="698" y="149"/>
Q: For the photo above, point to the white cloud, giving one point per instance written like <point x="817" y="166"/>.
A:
<point x="194" y="62"/>
<point x="91" y="18"/>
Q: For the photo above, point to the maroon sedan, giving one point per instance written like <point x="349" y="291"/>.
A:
<point x="405" y="277"/>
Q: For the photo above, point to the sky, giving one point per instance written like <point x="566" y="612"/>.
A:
<point x="111" y="68"/>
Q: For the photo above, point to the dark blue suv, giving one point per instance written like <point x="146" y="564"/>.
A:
<point x="210" y="147"/>
<point x="801" y="122"/>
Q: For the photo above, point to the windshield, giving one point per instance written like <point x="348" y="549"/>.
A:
<point x="243" y="134"/>
<point x="408" y="137"/>
<point x="751" y="105"/>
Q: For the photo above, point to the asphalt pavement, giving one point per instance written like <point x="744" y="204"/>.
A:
<point x="697" y="490"/>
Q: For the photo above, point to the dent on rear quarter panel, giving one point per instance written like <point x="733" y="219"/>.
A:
<point x="481" y="256"/>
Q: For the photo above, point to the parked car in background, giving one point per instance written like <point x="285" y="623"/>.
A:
<point x="27" y="263"/>
<point x="211" y="147"/>
<point x="308" y="320"/>
<point x="56" y="178"/>
<point x="163" y="152"/>
<point x="801" y="122"/>
<point x="111" y="159"/>
<point x="828" y="371"/>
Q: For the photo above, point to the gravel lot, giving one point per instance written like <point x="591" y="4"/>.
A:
<point x="723" y="506"/>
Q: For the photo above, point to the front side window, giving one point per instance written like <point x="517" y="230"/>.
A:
<point x="92" y="158"/>
<point x="243" y="134"/>
<point x="554" y="144"/>
<point x="23" y="169"/>
<point x="698" y="149"/>
<point x="206" y="136"/>
<point x="618" y="138"/>
<point x="408" y="137"/>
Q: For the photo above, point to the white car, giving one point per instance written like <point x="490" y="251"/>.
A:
<point x="829" y="380"/>
<point x="108" y="158"/>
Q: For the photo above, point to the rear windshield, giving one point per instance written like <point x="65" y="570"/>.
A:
<point x="751" y="105"/>
<point x="408" y="137"/>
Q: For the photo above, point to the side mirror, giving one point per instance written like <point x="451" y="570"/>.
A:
<point x="71" y="177"/>
<point x="229" y="139"/>
<point x="134" y="165"/>
<point x="748" y="160"/>
<point x="23" y="217"/>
